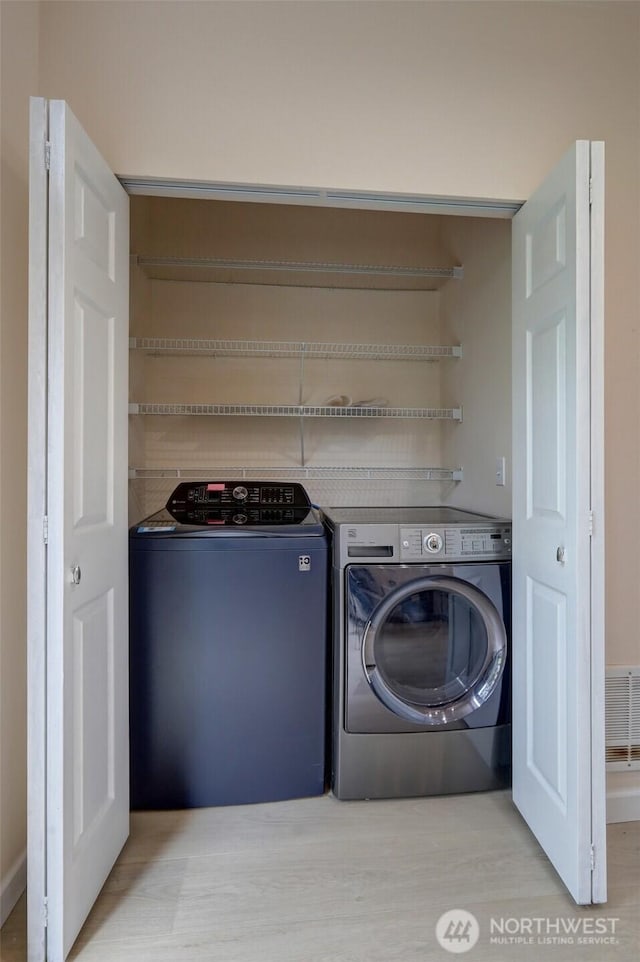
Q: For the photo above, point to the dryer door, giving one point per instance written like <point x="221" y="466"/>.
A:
<point x="434" y="650"/>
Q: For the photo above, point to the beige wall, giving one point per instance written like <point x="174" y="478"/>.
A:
<point x="19" y="79"/>
<point x="475" y="99"/>
<point x="448" y="98"/>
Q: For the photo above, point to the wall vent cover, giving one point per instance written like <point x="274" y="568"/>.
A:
<point x="622" y="719"/>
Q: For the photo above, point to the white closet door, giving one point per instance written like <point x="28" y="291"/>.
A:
<point x="558" y="582"/>
<point x="86" y="614"/>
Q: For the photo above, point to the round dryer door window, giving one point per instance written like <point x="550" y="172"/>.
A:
<point x="434" y="650"/>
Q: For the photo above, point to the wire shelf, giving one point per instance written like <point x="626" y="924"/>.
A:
<point x="315" y="349"/>
<point x="308" y="472"/>
<point x="306" y="267"/>
<point x="295" y="410"/>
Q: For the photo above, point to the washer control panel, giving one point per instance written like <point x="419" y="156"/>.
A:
<point x="238" y="502"/>
<point x="237" y="492"/>
<point x="226" y="492"/>
<point x="446" y="543"/>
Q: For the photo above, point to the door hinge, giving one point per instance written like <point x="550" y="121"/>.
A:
<point x="592" y="857"/>
<point x="47" y="155"/>
<point x="45" y="529"/>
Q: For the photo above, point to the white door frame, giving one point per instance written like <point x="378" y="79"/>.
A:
<point x="322" y="197"/>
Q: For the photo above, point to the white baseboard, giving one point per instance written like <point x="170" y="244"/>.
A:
<point x="12" y="886"/>
<point x="623" y="805"/>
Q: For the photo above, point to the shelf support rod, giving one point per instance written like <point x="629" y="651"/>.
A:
<point x="301" y="402"/>
<point x="302" y="455"/>
<point x="301" y="377"/>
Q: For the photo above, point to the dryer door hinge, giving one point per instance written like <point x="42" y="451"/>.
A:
<point x="45" y="529"/>
<point x="47" y="155"/>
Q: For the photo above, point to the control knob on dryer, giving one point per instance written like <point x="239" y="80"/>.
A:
<point x="240" y="493"/>
<point x="432" y="542"/>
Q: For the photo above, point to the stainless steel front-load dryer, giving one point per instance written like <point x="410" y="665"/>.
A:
<point x="421" y="652"/>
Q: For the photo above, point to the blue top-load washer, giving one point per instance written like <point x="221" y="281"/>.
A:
<point x="228" y="647"/>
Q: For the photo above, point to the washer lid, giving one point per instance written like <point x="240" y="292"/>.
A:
<point x="229" y="522"/>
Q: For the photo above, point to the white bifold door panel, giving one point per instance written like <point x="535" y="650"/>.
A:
<point x="85" y="214"/>
<point x="558" y="548"/>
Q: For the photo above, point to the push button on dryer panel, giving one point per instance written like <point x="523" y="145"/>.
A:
<point x="410" y="544"/>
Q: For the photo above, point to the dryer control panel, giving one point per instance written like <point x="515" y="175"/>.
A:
<point x="446" y="543"/>
<point x="419" y="533"/>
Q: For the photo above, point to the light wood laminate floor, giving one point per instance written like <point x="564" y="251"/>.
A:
<point x="318" y="880"/>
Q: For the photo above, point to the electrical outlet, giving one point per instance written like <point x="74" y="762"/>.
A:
<point x="501" y="471"/>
